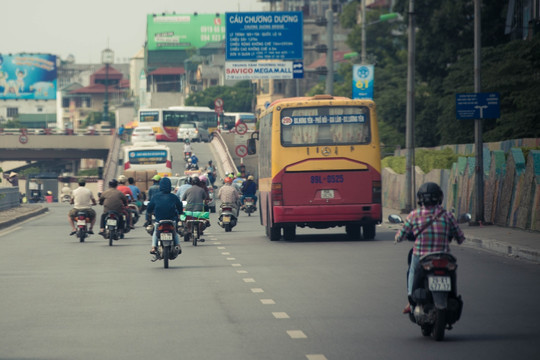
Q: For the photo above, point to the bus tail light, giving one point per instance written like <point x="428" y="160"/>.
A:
<point x="127" y="165"/>
<point x="277" y="194"/>
<point x="376" y="188"/>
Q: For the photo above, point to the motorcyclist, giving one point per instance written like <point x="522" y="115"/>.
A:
<point x="182" y="189"/>
<point x="112" y="199"/>
<point x="66" y="192"/>
<point x="249" y="188"/>
<point x="82" y="199"/>
<point x="194" y="160"/>
<point x="187" y="148"/>
<point x="165" y="206"/>
<point x="124" y="188"/>
<point x="137" y="194"/>
<point x="238" y="181"/>
<point x="190" y="165"/>
<point x="211" y="172"/>
<point x="228" y="194"/>
<point x="194" y="196"/>
<point x="155" y="187"/>
<point x="431" y="226"/>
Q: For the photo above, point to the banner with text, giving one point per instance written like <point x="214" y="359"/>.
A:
<point x="277" y="70"/>
<point x="28" y="76"/>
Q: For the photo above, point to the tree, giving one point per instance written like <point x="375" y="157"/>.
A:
<point x="237" y="98"/>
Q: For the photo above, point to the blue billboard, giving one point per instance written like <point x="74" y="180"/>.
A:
<point x="28" y="76"/>
<point x="264" y="35"/>
<point x="362" y="87"/>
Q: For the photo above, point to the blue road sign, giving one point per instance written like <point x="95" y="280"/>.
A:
<point x="264" y="36"/>
<point x="478" y="106"/>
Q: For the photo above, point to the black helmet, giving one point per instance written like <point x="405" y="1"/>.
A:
<point x="429" y="194"/>
<point x="188" y="180"/>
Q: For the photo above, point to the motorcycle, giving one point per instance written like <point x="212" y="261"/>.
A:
<point x="66" y="198"/>
<point x="187" y="155"/>
<point x="113" y="231"/>
<point x="435" y="303"/>
<point x="249" y="205"/>
<point x="133" y="211"/>
<point x="193" y="224"/>
<point x="227" y="216"/>
<point x="166" y="248"/>
<point x="82" y="219"/>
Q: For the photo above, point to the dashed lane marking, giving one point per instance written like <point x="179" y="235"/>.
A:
<point x="316" y="357"/>
<point x="268" y="302"/>
<point x="296" y="334"/>
<point x="257" y="290"/>
<point x="281" y="315"/>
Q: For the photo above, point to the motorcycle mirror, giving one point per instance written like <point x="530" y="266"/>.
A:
<point x="464" y="218"/>
<point x="395" y="219"/>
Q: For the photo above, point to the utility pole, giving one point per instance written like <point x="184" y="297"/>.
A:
<point x="330" y="51"/>
<point x="479" y="170"/>
<point x="363" y="31"/>
<point x="409" y="133"/>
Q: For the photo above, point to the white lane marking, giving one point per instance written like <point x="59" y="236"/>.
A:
<point x="221" y="247"/>
<point x="241" y="271"/>
<point x="257" y="290"/>
<point x="237" y="265"/>
<point x="296" y="334"/>
<point x="9" y="231"/>
<point x="231" y="259"/>
<point x="226" y="253"/>
<point x="218" y="243"/>
<point x="268" y="302"/>
<point x="249" y="280"/>
<point x="316" y="357"/>
<point x="281" y="315"/>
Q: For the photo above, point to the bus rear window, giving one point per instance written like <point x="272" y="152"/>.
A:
<point x="149" y="116"/>
<point x="142" y="157"/>
<point x="325" y="126"/>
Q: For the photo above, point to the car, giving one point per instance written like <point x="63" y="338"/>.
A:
<point x="143" y="134"/>
<point x="193" y="131"/>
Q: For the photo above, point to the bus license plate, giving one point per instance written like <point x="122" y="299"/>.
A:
<point x="327" y="194"/>
<point x="439" y="283"/>
<point x="166" y="236"/>
<point x="226" y="219"/>
<point x="111" y="222"/>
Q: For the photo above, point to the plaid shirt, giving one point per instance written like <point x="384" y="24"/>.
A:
<point x="437" y="236"/>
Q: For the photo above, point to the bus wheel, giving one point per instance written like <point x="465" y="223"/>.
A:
<point x="289" y="232"/>
<point x="275" y="232"/>
<point x="369" y="231"/>
<point x="353" y="231"/>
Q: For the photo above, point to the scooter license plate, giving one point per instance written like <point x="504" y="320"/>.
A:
<point x="439" y="283"/>
<point x="111" y="222"/>
<point x="166" y="236"/>
<point x="226" y="218"/>
<point x="81" y="222"/>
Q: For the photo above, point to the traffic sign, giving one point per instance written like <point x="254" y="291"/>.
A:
<point x="218" y="102"/>
<point x="478" y="106"/>
<point x="23" y="139"/>
<point x="276" y="35"/>
<point x="241" y="128"/>
<point x="241" y="150"/>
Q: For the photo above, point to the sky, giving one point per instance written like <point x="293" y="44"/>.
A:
<point x="84" y="28"/>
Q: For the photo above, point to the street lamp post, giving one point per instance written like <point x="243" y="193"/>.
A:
<point x="107" y="58"/>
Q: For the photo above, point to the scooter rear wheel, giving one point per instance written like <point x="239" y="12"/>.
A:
<point x="440" y="325"/>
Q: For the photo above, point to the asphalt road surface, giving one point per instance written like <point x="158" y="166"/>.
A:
<point x="241" y="296"/>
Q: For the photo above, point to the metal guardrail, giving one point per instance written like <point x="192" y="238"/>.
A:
<point x="223" y="152"/>
<point x="9" y="197"/>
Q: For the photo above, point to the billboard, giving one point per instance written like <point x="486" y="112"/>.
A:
<point x="180" y="32"/>
<point x="362" y="86"/>
<point x="250" y="70"/>
<point x="28" y="76"/>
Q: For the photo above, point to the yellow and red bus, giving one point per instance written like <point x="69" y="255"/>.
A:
<point x="319" y="166"/>
<point x="165" y="121"/>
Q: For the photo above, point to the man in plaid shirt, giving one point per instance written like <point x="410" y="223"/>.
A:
<point x="431" y="226"/>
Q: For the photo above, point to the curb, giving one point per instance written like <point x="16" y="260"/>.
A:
<point x="8" y="223"/>
<point x="504" y="248"/>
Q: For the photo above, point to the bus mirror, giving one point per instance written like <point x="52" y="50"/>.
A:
<point x="251" y="147"/>
<point x="255" y="135"/>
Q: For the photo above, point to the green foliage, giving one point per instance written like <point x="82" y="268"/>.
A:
<point x="88" y="172"/>
<point x="30" y="171"/>
<point x="426" y="159"/>
<point x="237" y="98"/>
<point x="13" y="124"/>
<point x="96" y="117"/>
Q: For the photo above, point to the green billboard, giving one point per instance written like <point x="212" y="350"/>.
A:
<point x="183" y="31"/>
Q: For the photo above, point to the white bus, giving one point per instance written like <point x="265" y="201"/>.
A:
<point x="148" y="156"/>
<point x="231" y="119"/>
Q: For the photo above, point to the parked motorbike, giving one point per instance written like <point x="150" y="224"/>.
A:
<point x="249" y="205"/>
<point x="435" y="303"/>
<point x="227" y="216"/>
<point x="166" y="248"/>
<point x="83" y="222"/>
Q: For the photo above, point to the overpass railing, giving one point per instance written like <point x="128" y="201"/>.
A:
<point x="225" y="157"/>
<point x="9" y="197"/>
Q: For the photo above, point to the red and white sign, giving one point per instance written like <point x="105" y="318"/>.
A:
<point x="218" y="105"/>
<point x="241" y="150"/>
<point x="241" y="128"/>
<point x="23" y="139"/>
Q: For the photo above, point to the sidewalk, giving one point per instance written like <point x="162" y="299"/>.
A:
<point x="505" y="241"/>
<point x="25" y="211"/>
